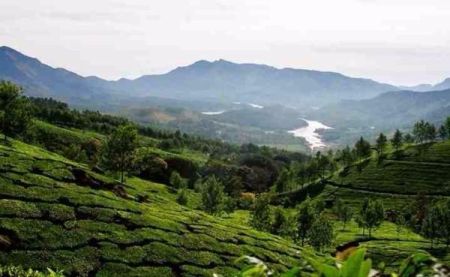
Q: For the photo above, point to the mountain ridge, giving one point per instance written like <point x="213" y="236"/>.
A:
<point x="218" y="80"/>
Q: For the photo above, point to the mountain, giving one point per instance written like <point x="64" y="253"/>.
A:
<point x="39" y="79"/>
<point x="218" y="81"/>
<point x="392" y="109"/>
<point x="261" y="84"/>
<point x="428" y="87"/>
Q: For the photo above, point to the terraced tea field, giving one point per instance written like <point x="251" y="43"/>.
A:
<point x="56" y="213"/>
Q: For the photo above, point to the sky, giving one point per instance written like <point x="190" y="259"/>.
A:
<point x="402" y="42"/>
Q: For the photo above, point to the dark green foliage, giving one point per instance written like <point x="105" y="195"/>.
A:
<point x="283" y="182"/>
<point x="381" y="144"/>
<point x="321" y="233"/>
<point x="182" y="198"/>
<point x="305" y="218"/>
<point x="424" y="131"/>
<point x="343" y="212"/>
<point x="212" y="196"/>
<point x="371" y="215"/>
<point x="176" y="181"/>
<point x="120" y="149"/>
<point x="15" y="114"/>
<point x="260" y="217"/>
<point x="442" y="132"/>
<point x="229" y="205"/>
<point x="436" y="224"/>
<point x="234" y="186"/>
<point x="397" y="140"/>
<point x="362" y="148"/>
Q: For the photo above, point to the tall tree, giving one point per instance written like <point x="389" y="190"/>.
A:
<point x="397" y="140"/>
<point x="347" y="156"/>
<point x="279" y="222"/>
<point x="442" y="132"/>
<point x="381" y="144"/>
<point x="321" y="233"/>
<point x="362" y="148"/>
<point x="431" y="224"/>
<point x="282" y="184"/>
<point x="212" y="196"/>
<point x="305" y="218"/>
<point x="120" y="149"/>
<point x="447" y="126"/>
<point x="371" y="215"/>
<point x="260" y="217"/>
<point x="343" y="212"/>
<point x="15" y="111"/>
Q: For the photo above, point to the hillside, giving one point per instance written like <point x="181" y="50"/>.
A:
<point x="56" y="213"/>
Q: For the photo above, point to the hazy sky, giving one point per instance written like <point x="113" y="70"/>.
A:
<point x="396" y="41"/>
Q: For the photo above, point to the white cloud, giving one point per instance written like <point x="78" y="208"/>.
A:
<point x="399" y="41"/>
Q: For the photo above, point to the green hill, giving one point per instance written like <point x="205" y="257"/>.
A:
<point x="56" y="213"/>
<point x="416" y="169"/>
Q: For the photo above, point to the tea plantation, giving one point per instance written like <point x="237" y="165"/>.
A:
<point x="58" y="214"/>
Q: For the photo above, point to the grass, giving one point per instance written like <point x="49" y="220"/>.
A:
<point x="49" y="217"/>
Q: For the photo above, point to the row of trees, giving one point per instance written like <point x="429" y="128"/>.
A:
<point x="309" y="224"/>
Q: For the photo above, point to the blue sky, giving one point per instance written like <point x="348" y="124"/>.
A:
<point x="396" y="41"/>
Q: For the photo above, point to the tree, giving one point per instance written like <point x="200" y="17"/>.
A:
<point x="229" y="204"/>
<point x="447" y="126"/>
<point x="182" y="198"/>
<point x="176" y="181"/>
<point x="305" y="218"/>
<point x="279" y="222"/>
<point x="424" y="131"/>
<point x="442" y="132"/>
<point x="260" y="217"/>
<point x="347" y="156"/>
<point x="120" y="149"/>
<point x="343" y="212"/>
<point x="381" y="144"/>
<point x="431" y="224"/>
<point x="408" y="138"/>
<point x="212" y="196"/>
<point x="15" y="111"/>
<point x="323" y="163"/>
<point x="400" y="222"/>
<point x="283" y="181"/>
<point x="397" y="140"/>
<point x="436" y="224"/>
<point x="321" y="233"/>
<point x="371" y="215"/>
<point x="234" y="186"/>
<point x="362" y="148"/>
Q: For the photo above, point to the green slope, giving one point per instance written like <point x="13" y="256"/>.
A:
<point x="395" y="181"/>
<point x="416" y="169"/>
<point x="56" y="213"/>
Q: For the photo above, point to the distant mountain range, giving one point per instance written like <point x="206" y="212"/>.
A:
<point x="218" y="81"/>
<point x="388" y="110"/>
<point x="428" y="87"/>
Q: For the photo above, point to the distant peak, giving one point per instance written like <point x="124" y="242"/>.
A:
<point x="9" y="49"/>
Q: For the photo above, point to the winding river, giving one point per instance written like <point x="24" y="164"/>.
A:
<point x="310" y="133"/>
